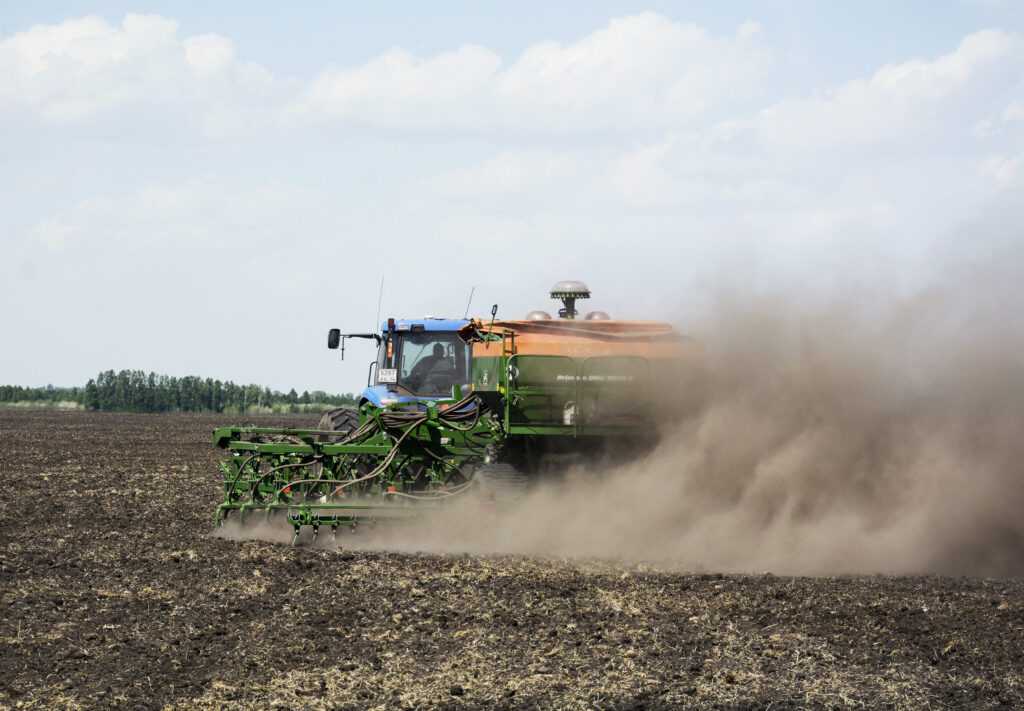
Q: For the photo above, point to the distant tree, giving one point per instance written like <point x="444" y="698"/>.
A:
<point x="92" y="395"/>
<point x="138" y="391"/>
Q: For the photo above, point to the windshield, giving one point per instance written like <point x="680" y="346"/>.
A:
<point x="431" y="362"/>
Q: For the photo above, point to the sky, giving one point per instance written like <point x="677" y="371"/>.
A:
<point x="207" y="188"/>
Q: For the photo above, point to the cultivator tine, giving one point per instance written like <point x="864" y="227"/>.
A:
<point x="315" y="482"/>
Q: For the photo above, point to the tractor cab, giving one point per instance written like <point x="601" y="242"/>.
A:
<point x="417" y="359"/>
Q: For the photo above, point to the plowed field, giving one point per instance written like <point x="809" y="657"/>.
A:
<point x="113" y="594"/>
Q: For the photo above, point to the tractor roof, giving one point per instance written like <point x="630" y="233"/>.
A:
<point x="427" y="324"/>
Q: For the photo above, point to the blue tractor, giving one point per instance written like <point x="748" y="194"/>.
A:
<point x="460" y="405"/>
<point x="418" y="361"/>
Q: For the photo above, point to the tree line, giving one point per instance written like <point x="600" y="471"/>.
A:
<point x="138" y="391"/>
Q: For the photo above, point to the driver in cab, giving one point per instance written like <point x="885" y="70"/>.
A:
<point x="436" y="361"/>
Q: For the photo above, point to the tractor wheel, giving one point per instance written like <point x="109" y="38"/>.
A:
<point x="501" y="483"/>
<point x="343" y="420"/>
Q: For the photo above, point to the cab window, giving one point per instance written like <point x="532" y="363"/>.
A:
<point x="430" y="363"/>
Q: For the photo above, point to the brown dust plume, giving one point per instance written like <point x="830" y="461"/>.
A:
<point x="854" y="435"/>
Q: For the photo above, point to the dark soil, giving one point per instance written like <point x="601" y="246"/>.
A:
<point x="114" y="595"/>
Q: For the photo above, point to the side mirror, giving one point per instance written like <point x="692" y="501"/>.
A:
<point x="333" y="338"/>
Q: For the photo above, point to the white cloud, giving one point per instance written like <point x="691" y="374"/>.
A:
<point x="209" y="54"/>
<point x="173" y="219"/>
<point x="1004" y="171"/>
<point x="848" y="157"/>
<point x="53" y="233"/>
<point x="512" y="172"/>
<point x="872" y="151"/>
<point x="748" y="30"/>
<point x="647" y="151"/>
<point x="1014" y="112"/>
<point x="639" y="71"/>
<point x="400" y="90"/>
<point x="79" y="67"/>
<point x="984" y="128"/>
<point x="83" y="68"/>
<point x="899" y="100"/>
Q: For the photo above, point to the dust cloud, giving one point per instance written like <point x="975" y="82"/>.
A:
<point x="854" y="432"/>
<point x="256" y="528"/>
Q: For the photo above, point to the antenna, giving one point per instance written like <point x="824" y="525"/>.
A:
<point x="494" y="312"/>
<point x="469" y="302"/>
<point x="380" y="300"/>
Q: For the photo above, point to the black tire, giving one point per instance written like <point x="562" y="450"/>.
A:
<point x="343" y="420"/>
<point x="501" y="483"/>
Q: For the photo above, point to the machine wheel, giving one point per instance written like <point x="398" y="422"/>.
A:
<point x="501" y="482"/>
<point x="342" y="420"/>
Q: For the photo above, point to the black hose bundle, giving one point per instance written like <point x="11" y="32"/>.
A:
<point x="463" y="416"/>
<point x="467" y="410"/>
